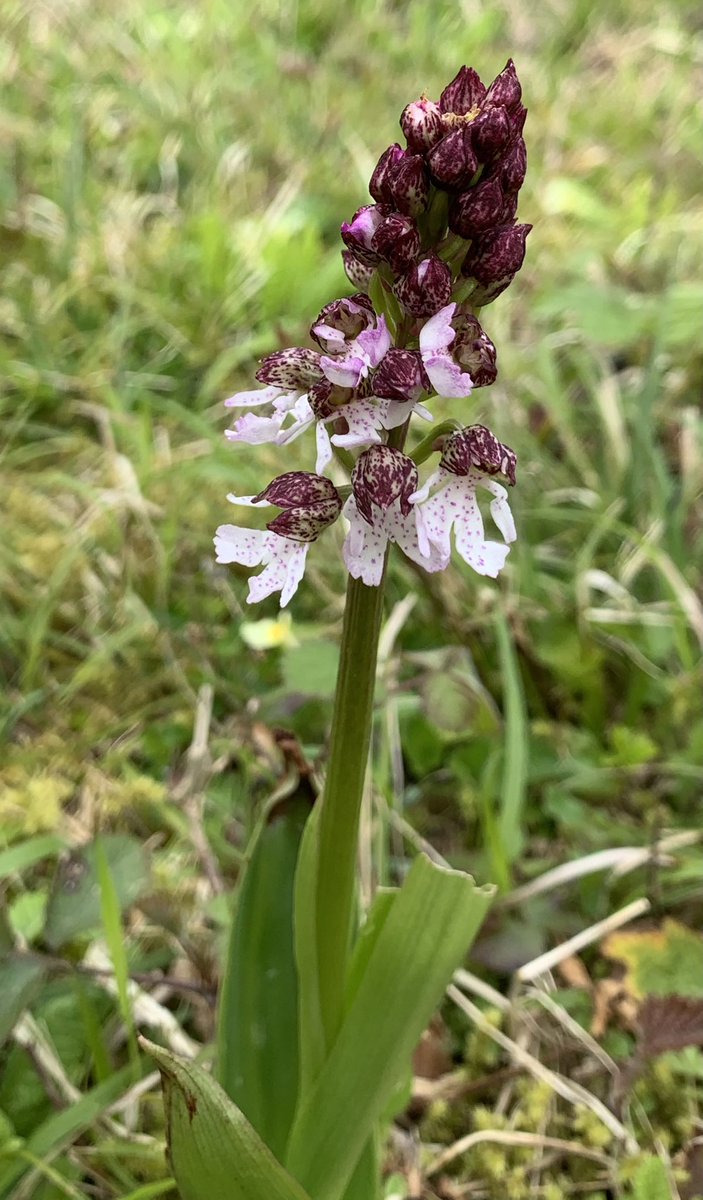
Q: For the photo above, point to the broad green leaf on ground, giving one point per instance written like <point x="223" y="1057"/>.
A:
<point x="74" y="903"/>
<point x="258" y="1023"/>
<point x="429" y="927"/>
<point x="20" y="981"/>
<point x="660" y="962"/>
<point x="214" y="1152"/>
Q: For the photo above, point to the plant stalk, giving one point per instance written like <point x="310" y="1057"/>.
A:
<point x="341" y="802"/>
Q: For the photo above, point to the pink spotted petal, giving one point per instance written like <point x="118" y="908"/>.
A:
<point x="253" y="399"/>
<point x="363" y="420"/>
<point x="446" y="377"/>
<point x="284" y="568"/>
<point x="253" y="430"/>
<point x="500" y="510"/>
<point x="375" y="343"/>
<point x="247" y="501"/>
<point x="346" y="371"/>
<point x="243" y="546"/>
<point x="437" y="333"/>
<point x="413" y="540"/>
<point x="364" y="548"/>
<point x="324" y="448"/>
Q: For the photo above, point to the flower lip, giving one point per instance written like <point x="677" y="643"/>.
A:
<point x="476" y="448"/>
<point x="381" y="476"/>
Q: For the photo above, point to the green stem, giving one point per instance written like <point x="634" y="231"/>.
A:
<point x="341" y="804"/>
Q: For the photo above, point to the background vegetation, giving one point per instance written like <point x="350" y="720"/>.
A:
<point x="173" y="179"/>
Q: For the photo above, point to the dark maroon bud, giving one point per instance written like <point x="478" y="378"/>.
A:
<point x="472" y="349"/>
<point x="491" y="133"/>
<point x="409" y="185"/>
<point x="401" y="376"/>
<point x="507" y="216"/>
<point x="397" y="241"/>
<point x="357" y="234"/>
<point x="517" y="120"/>
<point x="464" y="92"/>
<point x="426" y="288"/>
<point x="513" y="166"/>
<point x="341" y="321"/>
<point x="505" y="91"/>
<point x="296" y="488"/>
<point x="486" y="293"/>
<point x="377" y="183"/>
<point x="358" y="273"/>
<point x="421" y="123"/>
<point x="382" y="475"/>
<point x="305" y="524"/>
<point x="296" y="367"/>
<point x="477" y="449"/>
<point x="497" y="254"/>
<point x="477" y="210"/>
<point x="452" y="161"/>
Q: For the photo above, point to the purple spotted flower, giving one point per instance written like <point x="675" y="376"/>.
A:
<point x="438" y="241"/>
<point x="449" y="505"/>
<point x="310" y="503"/>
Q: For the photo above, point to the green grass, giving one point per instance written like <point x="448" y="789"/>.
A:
<point x="173" y="179"/>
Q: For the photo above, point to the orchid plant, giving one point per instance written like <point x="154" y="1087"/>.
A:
<point x="321" y="1005"/>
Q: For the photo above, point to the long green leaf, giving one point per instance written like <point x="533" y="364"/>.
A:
<point x="427" y="929"/>
<point x="258" y="1023"/>
<point x="311" y="1036"/>
<point x="214" y="1152"/>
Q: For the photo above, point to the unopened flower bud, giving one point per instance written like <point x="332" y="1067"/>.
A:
<point x="426" y="288"/>
<point x="358" y="233"/>
<point x="341" y="321"/>
<point x="401" y="376"/>
<point x="477" y="449"/>
<point x="478" y="209"/>
<point x="491" y="133"/>
<point x="517" y="120"/>
<point x="513" y="167"/>
<point x="453" y="161"/>
<point x="505" y="91"/>
<point x="464" y="92"/>
<point x="381" y="476"/>
<point x="305" y="524"/>
<point x="310" y="503"/>
<point x="400" y="181"/>
<point x="358" y="273"/>
<point x="421" y="123"/>
<point x="397" y="241"/>
<point x="297" y="487"/>
<point x="497" y="254"/>
<point x="296" y="367"/>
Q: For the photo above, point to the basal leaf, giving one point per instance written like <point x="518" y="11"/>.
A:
<point x="258" y="1022"/>
<point x="214" y="1152"/>
<point x="428" y="928"/>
